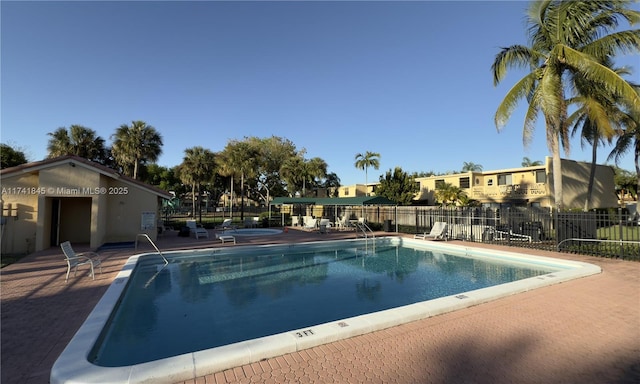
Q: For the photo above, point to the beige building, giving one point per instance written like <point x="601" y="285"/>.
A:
<point x="70" y="198"/>
<point x="525" y="186"/>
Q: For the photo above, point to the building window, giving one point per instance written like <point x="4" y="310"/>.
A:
<point x="541" y="177"/>
<point x="346" y="191"/>
<point x="464" y="182"/>
<point x="439" y="183"/>
<point x="490" y="182"/>
<point x="504" y="179"/>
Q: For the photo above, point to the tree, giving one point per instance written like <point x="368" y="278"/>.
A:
<point x="567" y="38"/>
<point x="526" y="162"/>
<point x="198" y="166"/>
<point x="239" y="158"/>
<point x="163" y="177"/>
<point x="297" y="171"/>
<point x="136" y="145"/>
<point x="77" y="141"/>
<point x="629" y="139"/>
<point x="449" y="194"/>
<point x="471" y="167"/>
<point x="11" y="157"/>
<point x="598" y="118"/>
<point x="366" y="160"/>
<point x="398" y="186"/>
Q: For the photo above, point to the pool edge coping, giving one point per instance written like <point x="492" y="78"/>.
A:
<point x="69" y="369"/>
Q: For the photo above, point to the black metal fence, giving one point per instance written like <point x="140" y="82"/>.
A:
<point x="606" y="233"/>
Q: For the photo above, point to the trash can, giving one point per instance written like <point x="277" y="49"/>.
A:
<point x="387" y="226"/>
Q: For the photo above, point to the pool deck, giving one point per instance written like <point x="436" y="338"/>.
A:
<point x="585" y="330"/>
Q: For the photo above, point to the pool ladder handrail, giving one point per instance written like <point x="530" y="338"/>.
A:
<point x="153" y="244"/>
<point x="366" y="230"/>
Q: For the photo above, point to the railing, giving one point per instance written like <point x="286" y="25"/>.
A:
<point x="597" y="241"/>
<point x="362" y="226"/>
<point x="144" y="235"/>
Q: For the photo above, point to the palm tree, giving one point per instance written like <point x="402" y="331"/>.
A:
<point x="297" y="171"/>
<point x="366" y="160"/>
<point x="198" y="166"/>
<point x="567" y="38"/>
<point x="629" y="139"/>
<point x="449" y="194"/>
<point x="136" y="145"/>
<point x="471" y="167"/>
<point x="527" y="162"/>
<point x="77" y="141"/>
<point x="598" y="118"/>
<point x="239" y="158"/>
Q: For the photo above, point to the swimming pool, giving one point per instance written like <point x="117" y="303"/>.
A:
<point x="356" y="270"/>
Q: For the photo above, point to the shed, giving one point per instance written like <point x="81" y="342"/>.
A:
<point x="71" y="198"/>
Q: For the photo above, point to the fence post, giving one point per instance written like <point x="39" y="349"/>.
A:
<point x="620" y="232"/>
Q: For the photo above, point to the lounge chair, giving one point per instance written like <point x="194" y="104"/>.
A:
<point x="438" y="232"/>
<point x="224" y="238"/>
<point x="74" y="260"/>
<point x="197" y="230"/>
<point x="311" y="224"/>
<point x="341" y="223"/>
<point x="226" y="224"/>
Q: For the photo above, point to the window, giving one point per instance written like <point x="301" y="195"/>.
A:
<point x="541" y="177"/>
<point x="439" y="183"/>
<point x="346" y="191"/>
<point x="464" y="182"/>
<point x="504" y="179"/>
<point x="490" y="182"/>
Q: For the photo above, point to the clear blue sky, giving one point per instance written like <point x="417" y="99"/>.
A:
<point x="410" y="80"/>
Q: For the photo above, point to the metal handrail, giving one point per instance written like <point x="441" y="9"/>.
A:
<point x="153" y="244"/>
<point x="599" y="241"/>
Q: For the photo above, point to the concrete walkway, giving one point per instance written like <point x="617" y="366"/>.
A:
<point x="583" y="331"/>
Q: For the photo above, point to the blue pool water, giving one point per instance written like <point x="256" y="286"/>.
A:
<point x="201" y="301"/>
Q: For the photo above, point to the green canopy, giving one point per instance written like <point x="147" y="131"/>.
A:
<point x="361" y="200"/>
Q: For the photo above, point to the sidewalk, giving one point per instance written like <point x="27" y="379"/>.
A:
<point x="582" y="331"/>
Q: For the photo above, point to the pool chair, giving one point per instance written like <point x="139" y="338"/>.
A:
<point x="311" y="224"/>
<point x="197" y="230"/>
<point x="224" y="238"/>
<point x="226" y="224"/>
<point x="74" y="260"/>
<point x="438" y="232"/>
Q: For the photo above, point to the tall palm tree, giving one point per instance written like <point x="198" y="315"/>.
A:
<point x="239" y="158"/>
<point x="366" y="160"/>
<point x="598" y="118"/>
<point x="136" y="145"/>
<point x="567" y="38"/>
<point x="629" y="139"/>
<point x="197" y="167"/>
<point x="78" y="141"/>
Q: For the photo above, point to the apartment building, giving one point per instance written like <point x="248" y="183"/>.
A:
<point x="524" y="186"/>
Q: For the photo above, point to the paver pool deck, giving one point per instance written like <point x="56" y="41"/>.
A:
<point x="582" y="331"/>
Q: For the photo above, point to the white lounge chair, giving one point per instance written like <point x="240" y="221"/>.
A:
<point x="438" y="232"/>
<point x="226" y="225"/>
<point x="197" y="230"/>
<point x="224" y="238"/>
<point x="74" y="260"/>
<point x="311" y="224"/>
